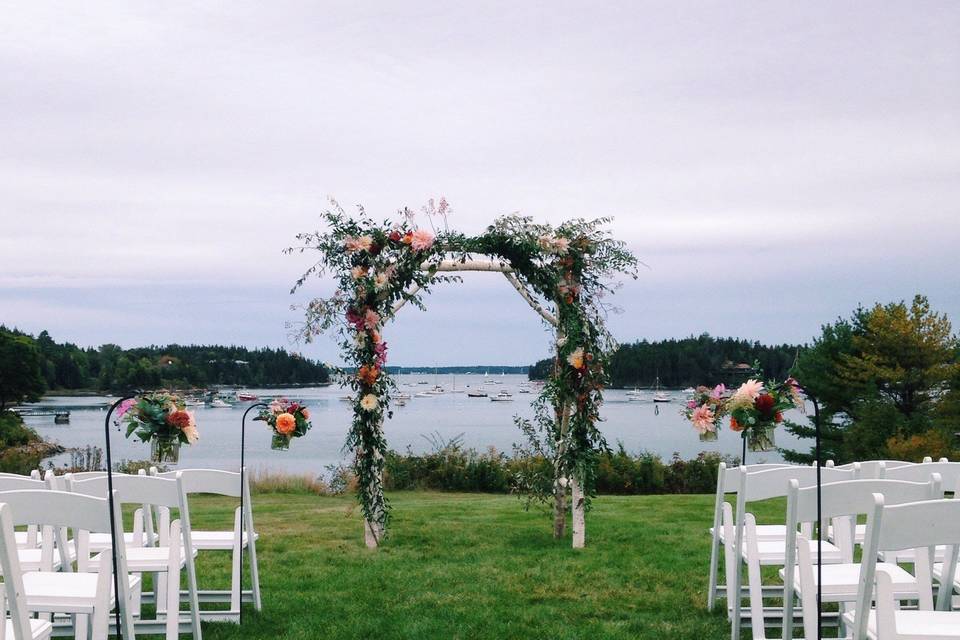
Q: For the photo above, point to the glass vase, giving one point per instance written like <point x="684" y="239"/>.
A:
<point x="280" y="442"/>
<point x="761" y="439"/>
<point x="708" y="436"/>
<point x="165" y="450"/>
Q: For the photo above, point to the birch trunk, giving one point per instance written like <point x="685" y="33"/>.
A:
<point x="559" y="483"/>
<point x="577" y="506"/>
<point x="373" y="529"/>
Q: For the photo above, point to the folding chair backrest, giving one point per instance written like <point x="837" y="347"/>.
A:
<point x="34" y="475"/>
<point x="224" y="483"/>
<point x="855" y="497"/>
<point x="949" y="472"/>
<point x="129" y="489"/>
<point x="773" y="483"/>
<point x="12" y="577"/>
<point x="915" y="525"/>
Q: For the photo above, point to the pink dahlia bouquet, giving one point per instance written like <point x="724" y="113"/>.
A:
<point x="705" y="409"/>
<point x="287" y="419"/>
<point x="757" y="407"/>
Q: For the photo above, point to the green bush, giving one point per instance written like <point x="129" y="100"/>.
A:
<point x="451" y="467"/>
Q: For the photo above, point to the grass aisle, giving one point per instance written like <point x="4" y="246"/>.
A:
<point x="474" y="566"/>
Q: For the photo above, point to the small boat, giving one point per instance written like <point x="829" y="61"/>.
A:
<point x="689" y="390"/>
<point x="634" y="395"/>
<point x="423" y="382"/>
<point x="437" y="390"/>
<point x="402" y="396"/>
<point x="218" y="403"/>
<point x="524" y="390"/>
<point x="401" y="402"/>
<point x="247" y="397"/>
<point x="194" y="402"/>
<point x="503" y="396"/>
<point x="424" y="394"/>
<point x="346" y="398"/>
<point x="479" y="392"/>
<point x="659" y="395"/>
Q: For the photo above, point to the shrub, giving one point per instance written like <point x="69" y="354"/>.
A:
<point x="913" y="448"/>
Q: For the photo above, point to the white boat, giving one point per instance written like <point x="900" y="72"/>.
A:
<point x="524" y="390"/>
<point x="479" y="392"/>
<point x="194" y="402"/>
<point x="402" y="396"/>
<point x="424" y="394"/>
<point x="503" y="396"/>
<point x="689" y="390"/>
<point x="217" y="403"/>
<point x="661" y="396"/>
<point x="634" y="395"/>
<point x="401" y="402"/>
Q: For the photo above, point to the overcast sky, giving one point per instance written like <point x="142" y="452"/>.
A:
<point x="774" y="163"/>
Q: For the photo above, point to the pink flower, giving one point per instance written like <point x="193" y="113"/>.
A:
<point x="750" y="389"/>
<point x="362" y="243"/>
<point x="124" y="406"/>
<point x="354" y="319"/>
<point x="718" y="391"/>
<point x="371" y="319"/>
<point x="422" y="240"/>
<point x="692" y="404"/>
<point x="380" y="350"/>
<point x="702" y="419"/>
<point x="276" y="407"/>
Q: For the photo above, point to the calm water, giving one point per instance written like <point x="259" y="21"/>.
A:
<point x="639" y="425"/>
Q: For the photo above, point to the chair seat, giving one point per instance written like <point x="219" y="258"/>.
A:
<point x="840" y="581"/>
<point x="30" y="559"/>
<point x="907" y="556"/>
<point x="101" y="541"/>
<point x="859" y="534"/>
<point x="22" y="538"/>
<point x="917" y="625"/>
<point x="764" y="532"/>
<point x="773" y="552"/>
<point x="38" y="629"/>
<point x="151" y="559"/>
<point x="938" y="574"/>
<point x="209" y="540"/>
<point x="64" y="592"/>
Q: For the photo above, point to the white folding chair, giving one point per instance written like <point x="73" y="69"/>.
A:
<point x="171" y="555"/>
<point x="947" y="584"/>
<point x="86" y="594"/>
<point x="19" y="626"/>
<point x="949" y="473"/>
<point x="728" y="481"/>
<point x="841" y="502"/>
<point x="243" y="536"/>
<point x="756" y="552"/>
<point x="920" y="526"/>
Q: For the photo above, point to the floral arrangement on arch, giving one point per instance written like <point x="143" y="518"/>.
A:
<point x="755" y="409"/>
<point x="287" y="420"/>
<point x="382" y="266"/>
<point x="162" y="420"/>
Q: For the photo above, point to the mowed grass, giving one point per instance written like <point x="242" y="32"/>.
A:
<point x="474" y="566"/>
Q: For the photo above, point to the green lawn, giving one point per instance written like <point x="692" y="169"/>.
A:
<point x="474" y="566"/>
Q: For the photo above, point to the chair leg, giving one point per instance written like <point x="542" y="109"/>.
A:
<point x="81" y="626"/>
<point x="160" y="592"/>
<point x="173" y="600"/>
<point x="236" y="594"/>
<point x="254" y="573"/>
<point x="714" y="561"/>
<point x="99" y="622"/>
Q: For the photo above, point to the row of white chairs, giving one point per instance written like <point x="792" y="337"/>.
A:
<point x="743" y="542"/>
<point x="38" y="565"/>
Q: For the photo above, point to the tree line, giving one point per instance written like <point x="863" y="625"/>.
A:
<point x="45" y="364"/>
<point x="688" y="362"/>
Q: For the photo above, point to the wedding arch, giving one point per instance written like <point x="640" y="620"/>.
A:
<point x="563" y="273"/>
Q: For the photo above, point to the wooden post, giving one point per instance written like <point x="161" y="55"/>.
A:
<point x="577" y="504"/>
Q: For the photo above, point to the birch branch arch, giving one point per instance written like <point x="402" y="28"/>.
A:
<point x="561" y="272"/>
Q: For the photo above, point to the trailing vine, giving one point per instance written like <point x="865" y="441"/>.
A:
<point x="380" y="267"/>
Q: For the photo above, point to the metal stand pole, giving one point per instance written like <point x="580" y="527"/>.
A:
<point x="816" y="423"/>
<point x="113" y="524"/>
<point x="243" y="492"/>
<point x="743" y="456"/>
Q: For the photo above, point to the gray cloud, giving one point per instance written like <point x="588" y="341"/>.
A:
<point x="775" y="164"/>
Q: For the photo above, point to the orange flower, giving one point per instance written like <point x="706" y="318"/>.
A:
<point x="375" y="336"/>
<point x="305" y="413"/>
<point x="734" y="425"/>
<point x="286" y="423"/>
<point x="368" y="374"/>
<point x="179" y="419"/>
<point x="407" y="238"/>
<point x="778" y="417"/>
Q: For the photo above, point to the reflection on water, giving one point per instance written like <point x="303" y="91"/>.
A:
<point x="639" y="425"/>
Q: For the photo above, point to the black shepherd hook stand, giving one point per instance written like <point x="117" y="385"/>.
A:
<point x="243" y="491"/>
<point x="113" y="524"/>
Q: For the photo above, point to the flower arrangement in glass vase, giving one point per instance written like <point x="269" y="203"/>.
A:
<point x="705" y="410"/>
<point x="288" y="420"/>
<point x="161" y="419"/>
<point x="756" y="408"/>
